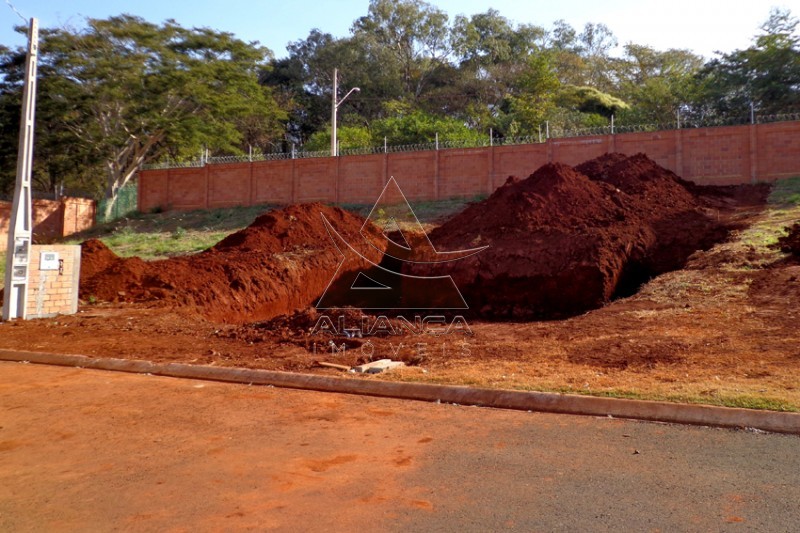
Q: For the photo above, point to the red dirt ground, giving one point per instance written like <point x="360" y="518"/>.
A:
<point x="281" y="262"/>
<point x="722" y="327"/>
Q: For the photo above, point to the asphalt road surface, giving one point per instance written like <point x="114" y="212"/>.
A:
<point x="85" y="450"/>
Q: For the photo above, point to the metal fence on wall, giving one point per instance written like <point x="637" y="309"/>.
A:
<point x="546" y="132"/>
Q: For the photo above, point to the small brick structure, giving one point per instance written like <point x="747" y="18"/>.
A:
<point x="53" y="285"/>
<point x="52" y="219"/>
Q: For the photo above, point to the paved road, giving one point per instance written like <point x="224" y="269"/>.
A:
<point x="99" y="451"/>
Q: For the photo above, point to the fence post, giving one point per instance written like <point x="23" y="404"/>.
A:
<point x="547" y="129"/>
<point x="206" y="173"/>
<point x="437" y="140"/>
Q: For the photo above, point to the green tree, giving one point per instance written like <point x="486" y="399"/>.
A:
<point x="488" y="38"/>
<point x="128" y="92"/>
<point x="492" y="53"/>
<point x="406" y="125"/>
<point x="349" y="137"/>
<point x="589" y="100"/>
<point x="766" y="75"/>
<point x="657" y="84"/>
<point x="410" y="36"/>
<point x="534" y="98"/>
<point x="597" y="41"/>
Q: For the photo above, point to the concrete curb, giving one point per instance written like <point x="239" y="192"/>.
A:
<point x="703" y="415"/>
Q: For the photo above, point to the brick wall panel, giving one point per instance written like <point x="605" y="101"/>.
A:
<point x="415" y="173"/>
<point x="273" y="182"/>
<point x="778" y="148"/>
<point x="659" y="146"/>
<point x="463" y="173"/>
<point x="229" y="185"/>
<point x="717" y="155"/>
<point x="519" y="161"/>
<point x="153" y="190"/>
<point x="361" y="178"/>
<point x="315" y="180"/>
<point x="187" y="189"/>
<point x="576" y="151"/>
<point x="51" y="292"/>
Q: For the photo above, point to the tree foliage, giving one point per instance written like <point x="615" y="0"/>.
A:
<point x="766" y="75"/>
<point x="120" y="92"/>
<point x="124" y="92"/>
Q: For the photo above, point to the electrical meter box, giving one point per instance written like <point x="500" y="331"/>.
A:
<point x="48" y="261"/>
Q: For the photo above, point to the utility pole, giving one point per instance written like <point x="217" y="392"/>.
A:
<point x="335" y="103"/>
<point x="20" y="229"/>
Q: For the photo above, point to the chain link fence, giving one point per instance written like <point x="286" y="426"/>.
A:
<point x="125" y="204"/>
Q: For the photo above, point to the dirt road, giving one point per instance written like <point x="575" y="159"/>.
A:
<point x="100" y="451"/>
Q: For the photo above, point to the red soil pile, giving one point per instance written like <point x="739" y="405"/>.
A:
<point x="791" y="243"/>
<point x="675" y="209"/>
<point x="281" y="262"/>
<point x="561" y="242"/>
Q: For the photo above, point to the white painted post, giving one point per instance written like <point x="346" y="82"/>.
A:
<point x="20" y="228"/>
<point x="334" y="107"/>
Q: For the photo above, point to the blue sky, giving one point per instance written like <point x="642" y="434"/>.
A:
<point x="704" y="26"/>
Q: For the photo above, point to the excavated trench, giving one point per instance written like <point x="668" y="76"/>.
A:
<point x="558" y="243"/>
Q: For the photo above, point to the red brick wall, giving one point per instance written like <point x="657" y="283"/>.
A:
<point x="52" y="219"/>
<point x="723" y="155"/>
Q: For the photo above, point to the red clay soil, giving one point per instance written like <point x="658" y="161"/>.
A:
<point x="561" y="242"/>
<point x="281" y="262"/>
<point x="566" y="240"/>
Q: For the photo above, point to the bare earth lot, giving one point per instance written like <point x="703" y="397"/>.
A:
<point x="723" y="330"/>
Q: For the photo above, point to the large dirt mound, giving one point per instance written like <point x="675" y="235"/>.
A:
<point x="281" y="262"/>
<point x="676" y="210"/>
<point x="562" y="242"/>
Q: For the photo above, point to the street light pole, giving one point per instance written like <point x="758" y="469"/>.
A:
<point x="20" y="229"/>
<point x="335" y="107"/>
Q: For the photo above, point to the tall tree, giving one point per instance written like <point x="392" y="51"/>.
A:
<point x="129" y="92"/>
<point x="657" y="84"/>
<point x="596" y="43"/>
<point x="413" y="33"/>
<point x="766" y="75"/>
